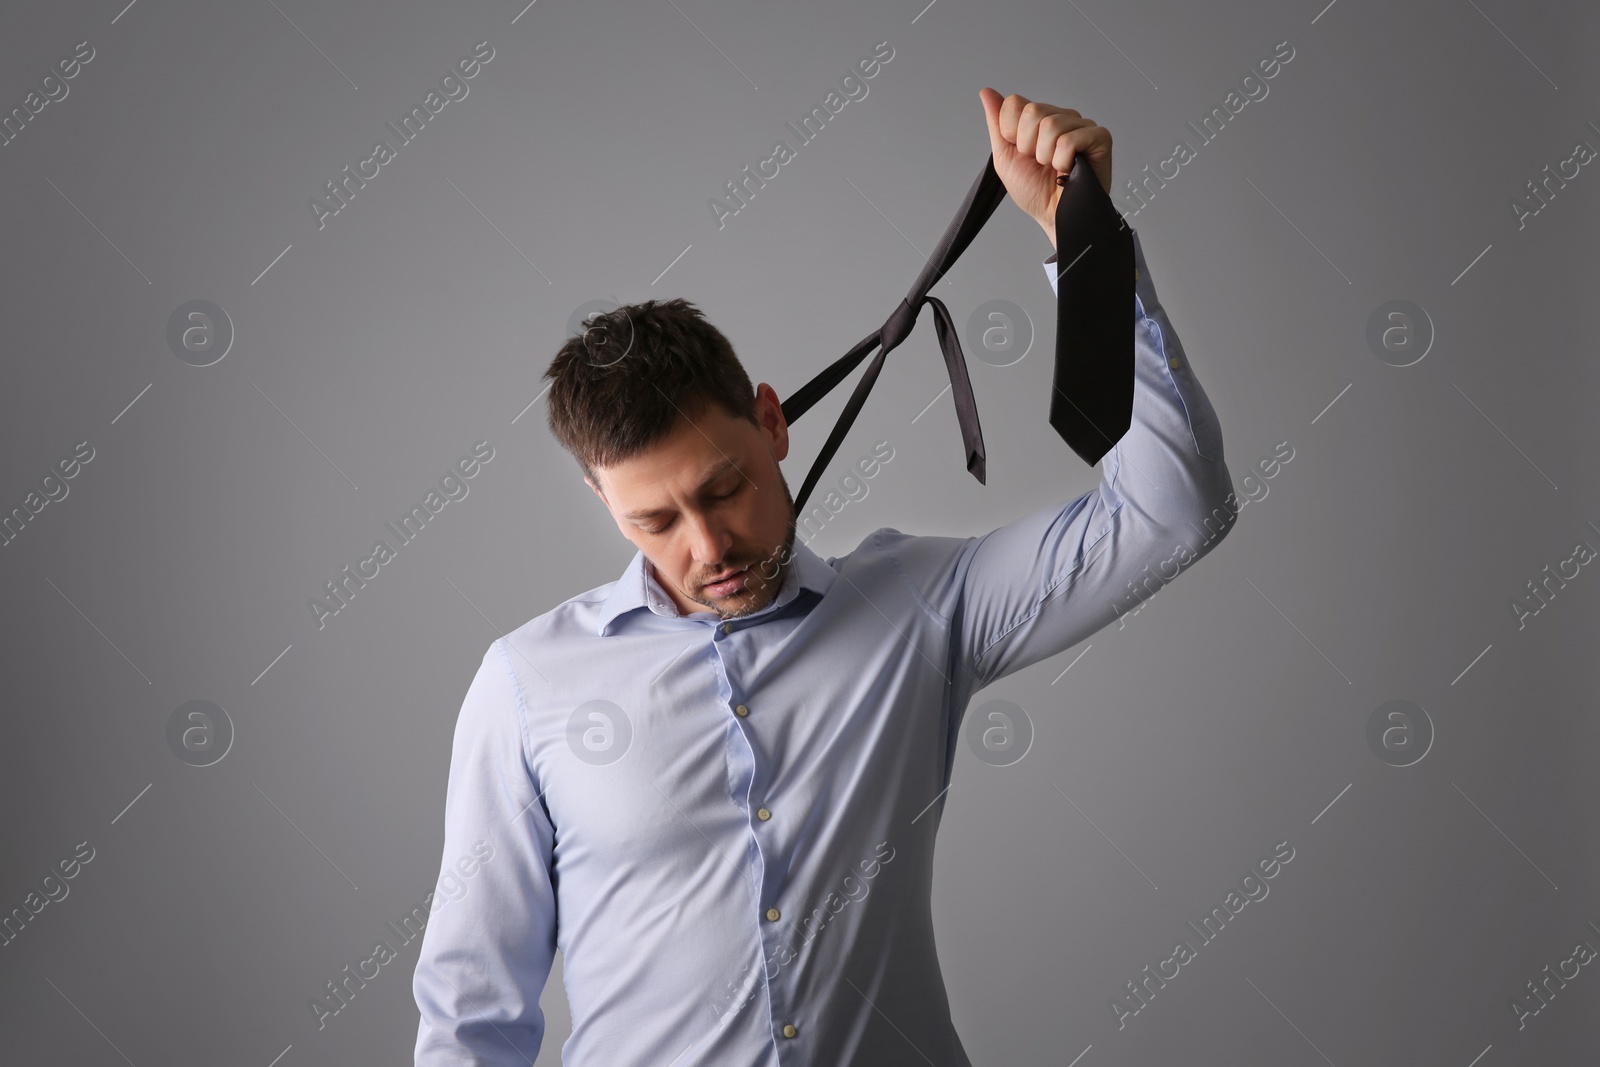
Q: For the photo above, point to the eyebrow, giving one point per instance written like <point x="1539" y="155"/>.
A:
<point x="712" y="473"/>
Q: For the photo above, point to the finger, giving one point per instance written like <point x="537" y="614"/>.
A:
<point x="1053" y="129"/>
<point x="999" y="147"/>
<point x="1081" y="139"/>
<point x="1028" y="118"/>
<point x="1030" y="128"/>
<point x="1010" y="116"/>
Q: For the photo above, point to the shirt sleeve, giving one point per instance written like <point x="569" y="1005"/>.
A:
<point x="1042" y="583"/>
<point x="490" y="941"/>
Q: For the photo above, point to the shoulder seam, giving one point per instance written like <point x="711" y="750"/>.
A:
<point x="503" y="645"/>
<point x="916" y="594"/>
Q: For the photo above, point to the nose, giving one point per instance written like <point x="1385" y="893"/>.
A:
<point x="709" y="540"/>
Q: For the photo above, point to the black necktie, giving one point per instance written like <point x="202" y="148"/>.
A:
<point x="1091" y="403"/>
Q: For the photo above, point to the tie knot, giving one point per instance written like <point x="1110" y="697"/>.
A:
<point x="898" y="326"/>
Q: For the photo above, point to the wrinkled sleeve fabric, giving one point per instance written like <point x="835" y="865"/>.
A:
<point x="487" y="952"/>
<point x="1040" y="584"/>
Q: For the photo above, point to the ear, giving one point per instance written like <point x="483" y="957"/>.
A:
<point x="769" y="415"/>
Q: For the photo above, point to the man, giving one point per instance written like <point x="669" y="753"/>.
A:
<point x="715" y="783"/>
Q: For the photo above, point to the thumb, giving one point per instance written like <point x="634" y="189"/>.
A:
<point x="999" y="147"/>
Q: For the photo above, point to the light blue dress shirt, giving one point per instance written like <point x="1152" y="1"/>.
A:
<point x="728" y="827"/>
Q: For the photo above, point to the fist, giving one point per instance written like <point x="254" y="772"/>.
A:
<point x="1032" y="143"/>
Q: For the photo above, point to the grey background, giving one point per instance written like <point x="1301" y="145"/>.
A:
<point x="1227" y="716"/>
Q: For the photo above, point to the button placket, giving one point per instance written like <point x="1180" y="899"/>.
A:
<point x="768" y="915"/>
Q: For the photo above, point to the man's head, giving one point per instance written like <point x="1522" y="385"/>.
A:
<point x="661" y="416"/>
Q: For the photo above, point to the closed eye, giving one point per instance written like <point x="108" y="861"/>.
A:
<point x="730" y="494"/>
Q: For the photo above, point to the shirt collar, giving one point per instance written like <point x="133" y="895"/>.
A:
<point x="638" y="588"/>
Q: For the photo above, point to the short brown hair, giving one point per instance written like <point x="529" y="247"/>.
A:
<point x="618" y="387"/>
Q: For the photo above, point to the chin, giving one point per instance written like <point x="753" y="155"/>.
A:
<point x="738" y="606"/>
<point x="744" y="602"/>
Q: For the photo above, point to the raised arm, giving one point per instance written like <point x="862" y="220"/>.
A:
<point x="486" y="953"/>
<point x="1041" y="583"/>
<point x="1044" y="582"/>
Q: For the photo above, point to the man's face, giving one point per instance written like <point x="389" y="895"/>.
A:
<point x="709" y="500"/>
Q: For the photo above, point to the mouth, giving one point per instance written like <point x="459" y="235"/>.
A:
<point x="728" y="584"/>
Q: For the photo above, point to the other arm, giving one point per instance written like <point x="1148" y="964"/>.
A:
<point x="490" y="941"/>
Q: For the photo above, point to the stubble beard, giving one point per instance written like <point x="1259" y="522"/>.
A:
<point x="766" y="574"/>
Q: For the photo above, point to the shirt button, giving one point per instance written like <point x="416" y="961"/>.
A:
<point x="789" y="1030"/>
<point x="1136" y="274"/>
<point x="772" y="915"/>
<point x="727" y="628"/>
<point x="741" y="711"/>
<point x="1173" y="362"/>
<point x="763" y="814"/>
